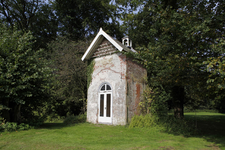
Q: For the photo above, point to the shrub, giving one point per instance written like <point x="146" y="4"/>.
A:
<point x="155" y="101"/>
<point x="54" y="118"/>
<point x="142" y="121"/>
<point x="13" y="126"/>
<point x="24" y="126"/>
<point x="75" y="119"/>
<point x="35" y="121"/>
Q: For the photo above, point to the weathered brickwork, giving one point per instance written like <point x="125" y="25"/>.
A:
<point x="136" y="75"/>
<point x="109" y="69"/>
<point x="126" y="79"/>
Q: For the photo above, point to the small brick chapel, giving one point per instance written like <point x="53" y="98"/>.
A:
<point x="117" y="82"/>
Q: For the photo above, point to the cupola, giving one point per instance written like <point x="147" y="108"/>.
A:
<point x="127" y="42"/>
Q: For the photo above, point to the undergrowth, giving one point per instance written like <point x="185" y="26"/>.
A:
<point x="155" y="109"/>
<point x="13" y="126"/>
<point x="75" y="119"/>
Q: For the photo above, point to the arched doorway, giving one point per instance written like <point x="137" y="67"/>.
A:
<point x="105" y="104"/>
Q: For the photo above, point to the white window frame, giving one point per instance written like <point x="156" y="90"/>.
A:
<point x="105" y="119"/>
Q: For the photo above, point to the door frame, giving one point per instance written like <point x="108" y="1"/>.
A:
<point x="104" y="119"/>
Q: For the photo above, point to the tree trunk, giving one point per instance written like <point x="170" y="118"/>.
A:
<point x="84" y="102"/>
<point x="178" y="101"/>
<point x="16" y="113"/>
<point x="5" y="112"/>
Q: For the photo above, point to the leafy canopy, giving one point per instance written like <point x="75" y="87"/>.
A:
<point x="24" y="75"/>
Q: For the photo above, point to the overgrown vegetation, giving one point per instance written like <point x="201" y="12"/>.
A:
<point x="90" y="69"/>
<point x="70" y="84"/>
<point x="155" y="114"/>
<point x="13" y="126"/>
<point x="70" y="120"/>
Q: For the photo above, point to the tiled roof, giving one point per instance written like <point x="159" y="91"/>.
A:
<point x="98" y="38"/>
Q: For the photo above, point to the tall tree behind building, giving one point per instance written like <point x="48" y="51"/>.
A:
<point x="176" y="39"/>
<point x="31" y="15"/>
<point x="80" y="19"/>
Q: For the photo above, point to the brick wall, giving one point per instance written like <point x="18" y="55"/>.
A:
<point x="135" y="86"/>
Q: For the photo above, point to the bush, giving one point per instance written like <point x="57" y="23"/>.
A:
<point x="24" y="126"/>
<point x="75" y="119"/>
<point x="35" y="121"/>
<point x="54" y="118"/>
<point x="12" y="126"/>
<point x="142" y="121"/>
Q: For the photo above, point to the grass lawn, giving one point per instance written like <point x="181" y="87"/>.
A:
<point x="89" y="136"/>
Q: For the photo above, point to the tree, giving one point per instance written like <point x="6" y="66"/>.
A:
<point x="70" y="84"/>
<point x="216" y="79"/>
<point x="24" y="75"/>
<point x="80" y="19"/>
<point x="31" y="15"/>
<point x="176" y="39"/>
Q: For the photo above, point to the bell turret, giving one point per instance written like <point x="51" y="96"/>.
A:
<point x="127" y="42"/>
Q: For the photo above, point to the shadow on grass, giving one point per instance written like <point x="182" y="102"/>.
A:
<point x="68" y="121"/>
<point x="52" y="126"/>
<point x="209" y="127"/>
<point x="2" y="147"/>
<point x="56" y="125"/>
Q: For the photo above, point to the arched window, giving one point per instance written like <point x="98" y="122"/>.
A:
<point x="105" y="87"/>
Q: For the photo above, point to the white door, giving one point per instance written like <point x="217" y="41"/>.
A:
<point x="105" y="104"/>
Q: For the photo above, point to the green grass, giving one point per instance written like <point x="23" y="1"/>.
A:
<point x="211" y="126"/>
<point x="89" y="136"/>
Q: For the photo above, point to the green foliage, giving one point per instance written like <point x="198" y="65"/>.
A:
<point x="70" y="84"/>
<point x="70" y="120"/>
<point x="216" y="68"/>
<point x="13" y="126"/>
<point x="25" y="77"/>
<point x="36" y="16"/>
<point x="35" y="121"/>
<point x="54" y="117"/>
<point x="9" y="126"/>
<point x="155" y="110"/>
<point x="90" y="69"/>
<point x="155" y="101"/>
<point x="176" y="40"/>
<point x="142" y="121"/>
<point x="78" y="22"/>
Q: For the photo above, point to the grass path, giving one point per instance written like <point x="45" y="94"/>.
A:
<point x="89" y="136"/>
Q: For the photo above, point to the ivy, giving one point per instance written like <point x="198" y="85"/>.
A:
<point x="90" y="69"/>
